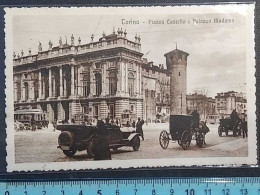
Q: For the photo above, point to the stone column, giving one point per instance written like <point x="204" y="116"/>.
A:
<point x="122" y="68"/>
<point x="119" y="76"/>
<point x="50" y="83"/>
<point x="43" y="88"/>
<point x="61" y="82"/>
<point x="103" y="110"/>
<point x="15" y="91"/>
<point x="126" y="77"/>
<point x="104" y="81"/>
<point x="40" y="84"/>
<point x="31" y="90"/>
<point x="137" y="80"/>
<point x="92" y="82"/>
<point x="54" y="84"/>
<point x="65" y="87"/>
<point x="80" y="81"/>
<point x="72" y="80"/>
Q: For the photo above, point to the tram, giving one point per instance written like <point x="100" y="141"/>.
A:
<point x="23" y="119"/>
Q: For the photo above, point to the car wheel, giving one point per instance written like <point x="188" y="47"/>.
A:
<point x="136" y="143"/>
<point x="69" y="153"/>
<point x="67" y="138"/>
<point x="90" y="148"/>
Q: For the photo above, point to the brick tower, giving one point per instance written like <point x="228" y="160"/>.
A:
<point x="176" y="62"/>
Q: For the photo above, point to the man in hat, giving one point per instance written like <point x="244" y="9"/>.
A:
<point x="139" y="127"/>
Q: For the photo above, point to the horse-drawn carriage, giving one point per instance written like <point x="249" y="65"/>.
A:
<point x="227" y="125"/>
<point x="183" y="131"/>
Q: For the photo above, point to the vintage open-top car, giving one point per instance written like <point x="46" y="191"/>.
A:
<point x="227" y="125"/>
<point x="181" y="130"/>
<point x="79" y="137"/>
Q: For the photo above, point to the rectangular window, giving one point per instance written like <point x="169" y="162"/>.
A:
<point x="97" y="65"/>
<point x="132" y="108"/>
<point x="158" y="97"/>
<point x="96" y="112"/>
<point x="111" y="111"/>
<point x="146" y="93"/>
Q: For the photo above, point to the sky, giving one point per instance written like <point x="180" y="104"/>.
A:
<point x="217" y="52"/>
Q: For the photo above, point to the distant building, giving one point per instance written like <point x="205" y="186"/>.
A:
<point x="229" y="101"/>
<point x="203" y="104"/>
<point x="156" y="84"/>
<point x="103" y="78"/>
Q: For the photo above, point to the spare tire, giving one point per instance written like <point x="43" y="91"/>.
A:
<point x="67" y="139"/>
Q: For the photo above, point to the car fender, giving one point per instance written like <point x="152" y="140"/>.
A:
<point x="132" y="136"/>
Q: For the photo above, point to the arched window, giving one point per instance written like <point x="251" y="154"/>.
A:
<point x="98" y="78"/>
<point x="26" y="91"/>
<point x="112" y="83"/>
<point x="86" y="85"/>
<point x="131" y="81"/>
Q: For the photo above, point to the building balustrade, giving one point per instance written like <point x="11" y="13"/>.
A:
<point x="80" y="49"/>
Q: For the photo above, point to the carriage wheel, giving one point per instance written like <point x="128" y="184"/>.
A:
<point x="164" y="139"/>
<point x="185" y="140"/>
<point x="179" y="142"/>
<point x="220" y="131"/>
<point x="200" y="140"/>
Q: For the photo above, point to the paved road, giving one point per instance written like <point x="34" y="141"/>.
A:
<point x="41" y="146"/>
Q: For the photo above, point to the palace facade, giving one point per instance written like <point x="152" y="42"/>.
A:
<point x="104" y="78"/>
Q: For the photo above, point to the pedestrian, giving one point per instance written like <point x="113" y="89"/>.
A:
<point x="133" y="124"/>
<point x="101" y="148"/>
<point x="107" y="121"/>
<point x="244" y="128"/>
<point x="117" y="122"/>
<point x="139" y="127"/>
<point x="235" y="121"/>
<point x="195" y="119"/>
<point x="33" y="125"/>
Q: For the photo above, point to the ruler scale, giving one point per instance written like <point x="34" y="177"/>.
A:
<point x="155" y="186"/>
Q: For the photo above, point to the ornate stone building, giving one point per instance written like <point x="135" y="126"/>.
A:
<point x="104" y="78"/>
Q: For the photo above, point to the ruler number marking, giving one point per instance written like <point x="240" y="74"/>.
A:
<point x="117" y="192"/>
<point x="244" y="191"/>
<point x="190" y="192"/>
<point x="136" y="191"/>
<point x="171" y="192"/>
<point x="43" y="192"/>
<point x="99" y="192"/>
<point x="62" y="192"/>
<point x="207" y="191"/>
<point x="25" y="192"/>
<point x="80" y="193"/>
<point x="153" y="192"/>
<point x="225" y="191"/>
<point x="7" y="193"/>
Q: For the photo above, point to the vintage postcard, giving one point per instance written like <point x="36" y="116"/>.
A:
<point x="129" y="87"/>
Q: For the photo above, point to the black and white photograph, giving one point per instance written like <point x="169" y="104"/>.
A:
<point x="129" y="87"/>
